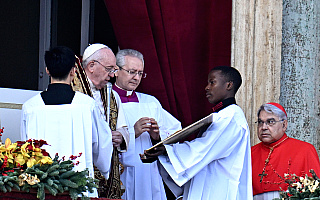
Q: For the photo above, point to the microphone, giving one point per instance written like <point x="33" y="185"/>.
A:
<point x="109" y="87"/>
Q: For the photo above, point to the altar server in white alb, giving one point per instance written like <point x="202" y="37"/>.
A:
<point x="69" y="121"/>
<point x="147" y="122"/>
<point x="216" y="165"/>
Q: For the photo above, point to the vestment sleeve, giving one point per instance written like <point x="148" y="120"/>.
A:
<point x="221" y="138"/>
<point x="167" y="124"/>
<point x="125" y="134"/>
<point x="101" y="143"/>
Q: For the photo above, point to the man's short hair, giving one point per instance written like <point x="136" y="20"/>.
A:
<point x="128" y="52"/>
<point x="230" y="74"/>
<point x="59" y="61"/>
<point x="272" y="109"/>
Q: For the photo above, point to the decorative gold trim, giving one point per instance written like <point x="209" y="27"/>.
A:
<point x="11" y="106"/>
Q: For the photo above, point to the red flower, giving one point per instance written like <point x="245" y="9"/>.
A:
<point x="44" y="152"/>
<point x="72" y="157"/>
<point x="39" y="143"/>
<point x="20" y="143"/>
<point x="5" y="161"/>
<point x="30" y="147"/>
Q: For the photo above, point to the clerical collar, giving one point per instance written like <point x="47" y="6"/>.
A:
<point x="223" y="104"/>
<point x="276" y="143"/>
<point x="125" y="96"/>
<point x="58" y="93"/>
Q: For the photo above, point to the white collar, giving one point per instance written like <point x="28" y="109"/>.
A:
<point x="129" y="93"/>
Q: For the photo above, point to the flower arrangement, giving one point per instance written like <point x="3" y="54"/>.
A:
<point x="25" y="166"/>
<point x="301" y="187"/>
<point x="23" y="154"/>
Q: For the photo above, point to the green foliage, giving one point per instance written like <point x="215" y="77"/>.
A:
<point x="56" y="178"/>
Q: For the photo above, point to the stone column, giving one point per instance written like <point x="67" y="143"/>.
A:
<point x="256" y="53"/>
<point x="300" y="71"/>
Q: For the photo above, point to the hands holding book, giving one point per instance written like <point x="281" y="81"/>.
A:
<point x="151" y="155"/>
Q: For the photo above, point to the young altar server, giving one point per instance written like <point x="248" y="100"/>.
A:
<point x="216" y="165"/>
<point x="69" y="121"/>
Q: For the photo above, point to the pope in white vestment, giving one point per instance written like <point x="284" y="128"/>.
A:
<point x="216" y="166"/>
<point x="70" y="129"/>
<point x="142" y="180"/>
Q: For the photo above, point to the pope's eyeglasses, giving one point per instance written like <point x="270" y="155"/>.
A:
<point x="109" y="69"/>
<point x="268" y="122"/>
<point x="133" y="73"/>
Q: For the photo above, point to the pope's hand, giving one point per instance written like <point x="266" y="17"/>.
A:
<point x="117" y="138"/>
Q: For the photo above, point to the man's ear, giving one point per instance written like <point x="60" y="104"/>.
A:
<point x="47" y="71"/>
<point x="90" y="66"/>
<point x="73" y="71"/>
<point x="229" y="85"/>
<point x="116" y="74"/>
<point x="285" y="125"/>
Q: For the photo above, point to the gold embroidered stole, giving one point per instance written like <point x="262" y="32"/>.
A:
<point x="114" y="184"/>
<point x="80" y="83"/>
<point x="110" y="188"/>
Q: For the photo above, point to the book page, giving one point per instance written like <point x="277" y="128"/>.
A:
<point x="183" y="133"/>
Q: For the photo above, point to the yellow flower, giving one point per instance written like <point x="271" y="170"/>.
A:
<point x="37" y="154"/>
<point x="25" y="151"/>
<point x="20" y="159"/>
<point x="45" y="160"/>
<point x="36" y="149"/>
<point x="31" y="162"/>
<point x="8" y="146"/>
<point x="7" y="143"/>
<point x="10" y="159"/>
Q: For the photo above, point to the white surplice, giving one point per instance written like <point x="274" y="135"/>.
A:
<point x="216" y="166"/>
<point x="142" y="180"/>
<point x="70" y="129"/>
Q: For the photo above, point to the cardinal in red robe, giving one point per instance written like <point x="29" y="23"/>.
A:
<point x="278" y="156"/>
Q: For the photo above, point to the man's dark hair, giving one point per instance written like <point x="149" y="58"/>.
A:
<point x="231" y="74"/>
<point x="59" y="61"/>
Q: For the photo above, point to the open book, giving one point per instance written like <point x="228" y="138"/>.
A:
<point x="183" y="133"/>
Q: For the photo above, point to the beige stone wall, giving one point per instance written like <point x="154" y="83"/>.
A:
<point x="256" y="53"/>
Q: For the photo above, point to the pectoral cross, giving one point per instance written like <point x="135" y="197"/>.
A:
<point x="262" y="175"/>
